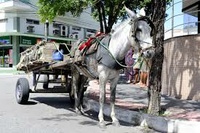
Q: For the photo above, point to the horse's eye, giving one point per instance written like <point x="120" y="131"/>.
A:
<point x="139" y="30"/>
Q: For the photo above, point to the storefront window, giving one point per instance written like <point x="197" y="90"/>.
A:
<point x="4" y="58"/>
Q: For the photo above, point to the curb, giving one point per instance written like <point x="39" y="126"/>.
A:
<point x="157" y="123"/>
<point x="10" y="71"/>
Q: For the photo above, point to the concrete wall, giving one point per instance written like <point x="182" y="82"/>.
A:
<point x="181" y="67"/>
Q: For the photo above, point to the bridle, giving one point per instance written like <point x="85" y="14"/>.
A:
<point x="134" y="24"/>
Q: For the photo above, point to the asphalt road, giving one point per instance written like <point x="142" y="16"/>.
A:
<point x="48" y="113"/>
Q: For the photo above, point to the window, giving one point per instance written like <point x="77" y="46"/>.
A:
<point x="76" y="28"/>
<point x="3" y="20"/>
<point x="31" y="21"/>
<point x="91" y="30"/>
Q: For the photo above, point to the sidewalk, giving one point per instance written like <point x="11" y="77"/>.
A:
<point x="179" y="116"/>
<point x="10" y="71"/>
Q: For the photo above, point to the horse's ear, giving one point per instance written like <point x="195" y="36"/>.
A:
<point x="141" y="12"/>
<point x="130" y="13"/>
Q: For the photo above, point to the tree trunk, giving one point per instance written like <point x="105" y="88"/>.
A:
<point x="98" y="5"/>
<point x="158" y="15"/>
<point x="104" y="18"/>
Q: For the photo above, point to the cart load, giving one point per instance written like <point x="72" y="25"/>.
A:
<point x="43" y="55"/>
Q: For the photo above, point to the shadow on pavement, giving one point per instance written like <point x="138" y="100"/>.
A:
<point x="64" y="103"/>
<point x="56" y="102"/>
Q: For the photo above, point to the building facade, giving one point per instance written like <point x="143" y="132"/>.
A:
<point x="181" y="65"/>
<point x="21" y="28"/>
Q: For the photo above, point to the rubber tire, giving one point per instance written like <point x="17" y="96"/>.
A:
<point x="46" y="81"/>
<point x="22" y="91"/>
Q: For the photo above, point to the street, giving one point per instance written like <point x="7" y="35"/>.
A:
<point x="48" y="113"/>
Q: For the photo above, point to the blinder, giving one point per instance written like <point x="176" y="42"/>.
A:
<point x="134" y="28"/>
<point x="134" y="23"/>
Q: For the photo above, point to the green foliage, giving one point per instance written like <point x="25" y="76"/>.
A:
<point x="111" y="10"/>
<point x="49" y="9"/>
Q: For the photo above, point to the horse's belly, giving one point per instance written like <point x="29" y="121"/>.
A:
<point x="107" y="72"/>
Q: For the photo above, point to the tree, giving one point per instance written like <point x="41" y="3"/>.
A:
<point x="158" y="18"/>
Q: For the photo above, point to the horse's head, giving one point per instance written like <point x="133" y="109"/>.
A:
<point x="142" y="30"/>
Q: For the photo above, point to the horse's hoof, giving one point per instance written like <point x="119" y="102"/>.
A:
<point x="102" y="125"/>
<point x="116" y="123"/>
<point x="78" y="112"/>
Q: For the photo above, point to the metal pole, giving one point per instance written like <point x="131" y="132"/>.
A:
<point x="172" y="18"/>
<point x="46" y="30"/>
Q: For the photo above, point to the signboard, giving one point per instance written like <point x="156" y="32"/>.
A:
<point x="25" y="40"/>
<point x="4" y="40"/>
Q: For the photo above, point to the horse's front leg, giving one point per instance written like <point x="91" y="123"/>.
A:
<point x="102" y="96"/>
<point x="113" y="86"/>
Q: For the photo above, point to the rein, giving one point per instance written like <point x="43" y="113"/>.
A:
<point x="125" y="66"/>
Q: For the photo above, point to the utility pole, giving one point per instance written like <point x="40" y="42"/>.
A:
<point x="46" y="30"/>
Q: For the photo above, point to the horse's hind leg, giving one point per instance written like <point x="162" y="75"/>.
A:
<point x="81" y="90"/>
<point x="75" y="87"/>
<point x="113" y="86"/>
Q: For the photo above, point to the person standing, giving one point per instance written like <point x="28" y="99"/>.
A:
<point x="144" y="72"/>
<point x="129" y="62"/>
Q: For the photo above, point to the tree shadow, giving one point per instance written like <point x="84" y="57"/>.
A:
<point x="181" y="104"/>
<point x="181" y="67"/>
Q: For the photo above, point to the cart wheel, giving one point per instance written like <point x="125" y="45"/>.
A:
<point x="22" y="91"/>
<point x="46" y="81"/>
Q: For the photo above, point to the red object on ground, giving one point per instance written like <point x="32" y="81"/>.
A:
<point x="88" y="42"/>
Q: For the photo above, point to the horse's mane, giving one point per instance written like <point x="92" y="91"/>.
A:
<point x="119" y="27"/>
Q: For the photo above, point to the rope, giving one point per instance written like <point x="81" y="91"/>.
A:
<point x="66" y="47"/>
<point x="125" y="66"/>
<point x="58" y="49"/>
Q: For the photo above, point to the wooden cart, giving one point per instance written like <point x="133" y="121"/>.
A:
<point x="39" y="60"/>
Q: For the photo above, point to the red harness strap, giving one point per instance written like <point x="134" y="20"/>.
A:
<point x="88" y="42"/>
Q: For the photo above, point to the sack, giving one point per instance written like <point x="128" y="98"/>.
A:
<point x="57" y="56"/>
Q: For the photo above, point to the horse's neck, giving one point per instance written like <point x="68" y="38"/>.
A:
<point x="120" y="45"/>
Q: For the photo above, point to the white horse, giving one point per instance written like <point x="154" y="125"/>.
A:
<point x="105" y="64"/>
